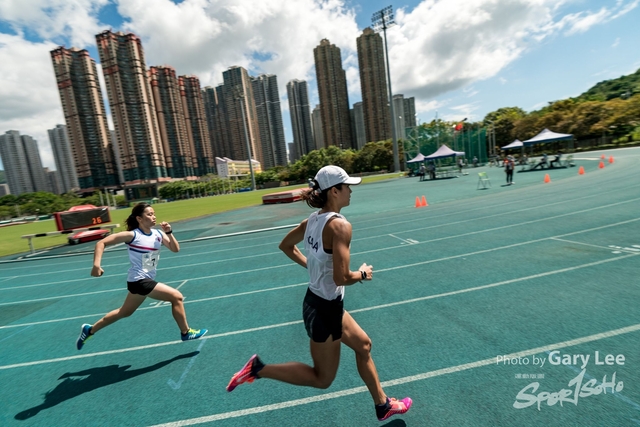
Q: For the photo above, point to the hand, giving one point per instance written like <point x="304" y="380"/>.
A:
<point x="165" y="226"/>
<point x="97" y="271"/>
<point x="368" y="269"/>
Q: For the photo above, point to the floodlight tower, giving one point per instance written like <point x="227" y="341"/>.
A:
<point x="382" y="20"/>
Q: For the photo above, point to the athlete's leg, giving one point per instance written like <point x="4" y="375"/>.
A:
<point x="131" y="304"/>
<point x="355" y="338"/>
<point x="163" y="292"/>
<point x="326" y="358"/>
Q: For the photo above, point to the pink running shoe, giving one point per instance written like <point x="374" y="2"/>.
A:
<point x="397" y="407"/>
<point x="244" y="375"/>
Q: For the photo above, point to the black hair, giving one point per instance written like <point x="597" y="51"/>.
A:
<point x="315" y="197"/>
<point x="138" y="210"/>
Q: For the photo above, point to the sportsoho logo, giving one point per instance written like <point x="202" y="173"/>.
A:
<point x="577" y="387"/>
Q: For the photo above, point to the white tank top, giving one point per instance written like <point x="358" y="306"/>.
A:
<point x="144" y="254"/>
<point x="320" y="263"/>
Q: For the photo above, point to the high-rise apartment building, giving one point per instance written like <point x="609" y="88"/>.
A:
<point x="179" y="155"/>
<point x="409" y="112"/>
<point x="358" y="120"/>
<point x="241" y="114"/>
<point x="132" y="106"/>
<point x="53" y="181"/>
<point x="373" y="84"/>
<point x="316" y="122"/>
<point x="14" y="160"/>
<point x="216" y="113"/>
<point x="85" y="116"/>
<point x="63" y="156"/>
<point x="197" y="128"/>
<point x="334" y="98"/>
<point x="267" y="100"/>
<point x="34" y="164"/>
<point x="398" y="108"/>
<point x="300" y="111"/>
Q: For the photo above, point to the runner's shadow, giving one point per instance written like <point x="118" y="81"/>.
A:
<point x="395" y="423"/>
<point x="92" y="379"/>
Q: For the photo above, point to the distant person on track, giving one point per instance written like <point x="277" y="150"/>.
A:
<point x="556" y="161"/>
<point x="144" y="244"/>
<point x="327" y="238"/>
<point x="509" y="166"/>
<point x="544" y="161"/>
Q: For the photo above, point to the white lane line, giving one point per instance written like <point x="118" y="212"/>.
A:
<point x="607" y="248"/>
<point x="402" y="240"/>
<point x="60" y="297"/>
<point x="176" y="385"/>
<point x="296" y="322"/>
<point x="399" y="381"/>
<point x="85" y="316"/>
<point x="15" y="333"/>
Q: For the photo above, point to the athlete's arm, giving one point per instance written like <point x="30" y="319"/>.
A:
<point x="122" y="237"/>
<point x="339" y="237"/>
<point x="288" y="244"/>
<point x="169" y="240"/>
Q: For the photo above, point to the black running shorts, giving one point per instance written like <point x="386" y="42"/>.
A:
<point x="142" y="286"/>
<point x="322" y="318"/>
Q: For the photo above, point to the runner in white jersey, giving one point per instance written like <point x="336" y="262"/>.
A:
<point x="327" y="239"/>
<point x="143" y="244"/>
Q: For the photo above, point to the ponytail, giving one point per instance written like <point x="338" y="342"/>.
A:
<point x="315" y="197"/>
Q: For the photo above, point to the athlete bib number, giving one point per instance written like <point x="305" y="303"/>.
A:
<point x="150" y="261"/>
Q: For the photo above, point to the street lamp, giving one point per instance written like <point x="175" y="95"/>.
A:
<point x="240" y="96"/>
<point x="382" y="20"/>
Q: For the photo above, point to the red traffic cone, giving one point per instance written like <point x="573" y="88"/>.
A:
<point x="581" y="170"/>
<point x="601" y="165"/>
<point x="610" y="159"/>
<point x="602" y="156"/>
<point x="547" y="179"/>
<point x="418" y="203"/>
<point x="423" y="202"/>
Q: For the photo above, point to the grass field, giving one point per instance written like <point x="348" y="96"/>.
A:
<point x="11" y="242"/>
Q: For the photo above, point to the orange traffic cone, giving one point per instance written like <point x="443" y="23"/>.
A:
<point x="581" y="170"/>
<point x="602" y="156"/>
<point x="547" y="179"/>
<point x="418" y="204"/>
<point x="601" y="165"/>
<point x="610" y="159"/>
<point x="424" y="202"/>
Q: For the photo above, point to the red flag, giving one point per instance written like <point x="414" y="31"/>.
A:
<point x="458" y="126"/>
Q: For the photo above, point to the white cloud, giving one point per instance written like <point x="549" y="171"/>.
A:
<point x="205" y="38"/>
<point x="72" y="20"/>
<point x="440" y="46"/>
<point x="616" y="42"/>
<point x="28" y="90"/>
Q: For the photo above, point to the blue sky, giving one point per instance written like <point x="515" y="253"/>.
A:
<point x="459" y="58"/>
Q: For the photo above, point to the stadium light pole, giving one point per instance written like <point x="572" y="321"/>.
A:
<point x="240" y="96"/>
<point x="382" y="20"/>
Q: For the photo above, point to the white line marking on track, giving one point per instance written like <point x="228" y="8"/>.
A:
<point x="399" y="381"/>
<point x="402" y="240"/>
<point x="176" y="385"/>
<point x="296" y="322"/>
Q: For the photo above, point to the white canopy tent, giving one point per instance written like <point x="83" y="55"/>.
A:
<point x="515" y="144"/>
<point x="443" y="152"/>
<point x="419" y="158"/>
<point x="547" y="136"/>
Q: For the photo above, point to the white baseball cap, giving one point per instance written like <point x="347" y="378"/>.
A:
<point x="331" y="175"/>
